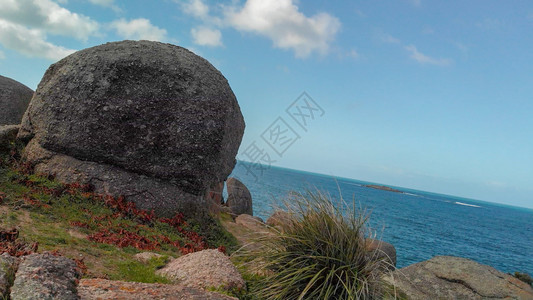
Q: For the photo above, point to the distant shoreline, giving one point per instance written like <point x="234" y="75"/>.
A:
<point x="383" y="188"/>
<point x="408" y="189"/>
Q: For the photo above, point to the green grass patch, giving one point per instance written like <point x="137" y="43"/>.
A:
<point x="106" y="232"/>
<point x="132" y="270"/>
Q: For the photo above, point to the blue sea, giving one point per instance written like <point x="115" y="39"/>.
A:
<point x="419" y="224"/>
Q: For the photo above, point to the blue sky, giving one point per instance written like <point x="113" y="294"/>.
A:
<point x="430" y="95"/>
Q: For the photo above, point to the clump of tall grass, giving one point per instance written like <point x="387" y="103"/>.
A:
<point x="318" y="253"/>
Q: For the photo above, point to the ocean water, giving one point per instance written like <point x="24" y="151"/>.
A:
<point x="419" y="224"/>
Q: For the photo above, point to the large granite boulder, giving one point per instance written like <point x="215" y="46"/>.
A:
<point x="116" y="113"/>
<point x="239" y="197"/>
<point x="280" y="219"/>
<point x="382" y="251"/>
<point x="8" y="266"/>
<point x="447" y="277"/>
<point x="255" y="224"/>
<point x="204" y="269"/>
<point x="145" y="257"/>
<point x="8" y="134"/>
<point x="46" y="276"/>
<point x="14" y="99"/>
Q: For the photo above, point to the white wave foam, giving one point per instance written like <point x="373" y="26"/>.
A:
<point x="465" y="204"/>
<point x="413" y="194"/>
<point x="352" y="183"/>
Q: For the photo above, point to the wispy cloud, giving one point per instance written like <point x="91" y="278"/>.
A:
<point x="106" y="3"/>
<point x="205" y="36"/>
<point x="196" y="8"/>
<point x="139" y="29"/>
<point x="353" y="54"/>
<point x="427" y="30"/>
<point x="360" y="13"/>
<point x="490" y="24"/>
<point x="415" y="2"/>
<point x="497" y="184"/>
<point x="414" y="53"/>
<point x="462" y="47"/>
<point x="425" y="59"/>
<point x="389" y="39"/>
<point x="283" y="68"/>
<point x="103" y="2"/>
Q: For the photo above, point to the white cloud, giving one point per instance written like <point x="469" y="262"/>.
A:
<point x="139" y="29"/>
<point x="195" y="8"/>
<point x="2" y="55"/>
<point x="31" y="42"/>
<point x="283" y="23"/>
<point x="206" y="37"/>
<point x="351" y="54"/>
<point x="48" y="16"/>
<point x="424" y="59"/>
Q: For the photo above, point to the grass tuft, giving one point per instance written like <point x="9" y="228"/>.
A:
<point x="319" y="253"/>
<point x="136" y="271"/>
<point x="524" y="277"/>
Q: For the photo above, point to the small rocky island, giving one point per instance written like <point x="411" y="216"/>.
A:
<point x="383" y="188"/>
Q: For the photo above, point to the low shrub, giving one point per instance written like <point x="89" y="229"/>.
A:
<point x="320" y="253"/>
<point x="524" y="277"/>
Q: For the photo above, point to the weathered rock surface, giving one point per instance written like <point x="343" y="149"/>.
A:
<point x="8" y="266"/>
<point x="246" y="229"/>
<point x="447" y="277"/>
<point x="146" y="192"/>
<point x="145" y="257"/>
<point x="215" y="193"/>
<point x="279" y="218"/>
<point x="14" y="99"/>
<point x="102" y="289"/>
<point x="383" y="251"/>
<point x="128" y="110"/>
<point x="204" y="269"/>
<point x="45" y="276"/>
<point x="8" y="134"/>
<point x="239" y="197"/>
<point x="253" y="223"/>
